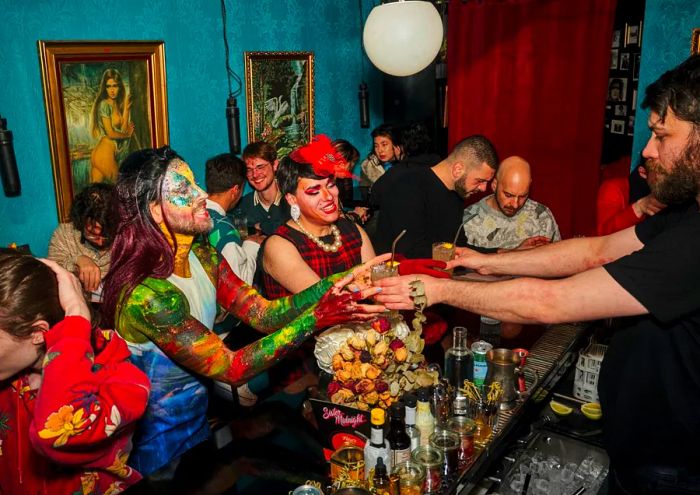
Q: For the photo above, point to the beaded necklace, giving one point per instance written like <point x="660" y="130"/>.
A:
<point x="328" y="248"/>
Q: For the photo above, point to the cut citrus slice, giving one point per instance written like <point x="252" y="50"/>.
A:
<point x="560" y="408"/>
<point x="592" y="410"/>
<point x="447" y="245"/>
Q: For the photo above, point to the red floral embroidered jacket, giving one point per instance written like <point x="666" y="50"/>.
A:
<point x="73" y="434"/>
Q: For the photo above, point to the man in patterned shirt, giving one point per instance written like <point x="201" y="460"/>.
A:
<point x="225" y="178"/>
<point x="509" y="219"/>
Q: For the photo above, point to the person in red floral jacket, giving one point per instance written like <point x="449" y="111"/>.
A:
<point x="69" y="398"/>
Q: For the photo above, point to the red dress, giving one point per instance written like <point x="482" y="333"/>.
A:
<point x="321" y="262"/>
<point x="73" y="434"/>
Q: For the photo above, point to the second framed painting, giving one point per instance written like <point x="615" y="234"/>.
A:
<point x="280" y="98"/>
<point x="103" y="100"/>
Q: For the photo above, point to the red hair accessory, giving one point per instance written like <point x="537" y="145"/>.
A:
<point x="323" y="157"/>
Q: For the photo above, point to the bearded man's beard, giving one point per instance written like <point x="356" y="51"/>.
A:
<point x="680" y="184"/>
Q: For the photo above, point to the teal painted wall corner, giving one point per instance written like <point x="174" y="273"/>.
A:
<point x="196" y="77"/>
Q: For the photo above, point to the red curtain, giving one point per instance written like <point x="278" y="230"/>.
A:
<point x="531" y="75"/>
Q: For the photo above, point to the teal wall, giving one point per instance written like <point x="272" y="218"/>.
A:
<point x="196" y="77"/>
<point x="665" y="43"/>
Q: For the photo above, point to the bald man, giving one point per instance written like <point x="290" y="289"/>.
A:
<point x="509" y="218"/>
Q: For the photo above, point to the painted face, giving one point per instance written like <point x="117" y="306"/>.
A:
<point x="474" y="180"/>
<point x="112" y="88"/>
<point x="672" y="154"/>
<point x="511" y="195"/>
<point x="260" y="173"/>
<point x="318" y="200"/>
<point x="384" y="149"/>
<point x="17" y="354"/>
<point x="184" y="202"/>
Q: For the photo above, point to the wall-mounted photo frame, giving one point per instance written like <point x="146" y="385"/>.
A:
<point x="103" y="100"/>
<point x="280" y="98"/>
<point x="632" y="36"/>
<point x="617" y="89"/>
<point x="635" y="66"/>
<point x="630" y="125"/>
<point x="613" y="58"/>
<point x="695" y="41"/>
<point x="625" y="61"/>
<point x="616" y="39"/>
<point x="620" y="110"/>
<point x="617" y="126"/>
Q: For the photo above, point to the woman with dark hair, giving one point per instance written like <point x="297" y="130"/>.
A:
<point x="346" y="194"/>
<point x="162" y="294"/>
<point x="386" y="149"/>
<point x="315" y="243"/>
<point x="82" y="246"/>
<point x="69" y="397"/>
<point x="110" y="122"/>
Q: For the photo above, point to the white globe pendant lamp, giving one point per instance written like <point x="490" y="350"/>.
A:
<point x="402" y="38"/>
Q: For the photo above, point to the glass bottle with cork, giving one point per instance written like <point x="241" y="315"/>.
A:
<point x="377" y="446"/>
<point x="399" y="441"/>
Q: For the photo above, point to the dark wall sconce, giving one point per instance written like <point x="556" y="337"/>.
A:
<point x="363" y="95"/>
<point x="8" y="162"/>
<point x="233" y="119"/>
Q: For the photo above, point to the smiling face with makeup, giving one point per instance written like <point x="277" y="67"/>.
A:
<point x="184" y="202"/>
<point x="317" y="200"/>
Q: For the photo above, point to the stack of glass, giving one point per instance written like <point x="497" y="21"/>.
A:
<point x="549" y="475"/>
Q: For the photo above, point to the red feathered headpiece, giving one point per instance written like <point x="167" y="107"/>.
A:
<point x="323" y="158"/>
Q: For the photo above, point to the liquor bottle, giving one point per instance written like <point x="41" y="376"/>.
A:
<point x="377" y="446"/>
<point x="425" y="422"/>
<point x="459" y="363"/>
<point x="380" y="481"/>
<point x="411" y="430"/>
<point x="399" y="441"/>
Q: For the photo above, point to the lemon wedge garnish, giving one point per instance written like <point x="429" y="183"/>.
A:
<point x="560" y="408"/>
<point x="592" y="410"/>
<point x="447" y="245"/>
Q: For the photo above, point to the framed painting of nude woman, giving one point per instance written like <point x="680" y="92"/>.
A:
<point x="103" y="100"/>
<point x="280" y="98"/>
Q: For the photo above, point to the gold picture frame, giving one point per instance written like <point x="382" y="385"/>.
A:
<point x="280" y="98"/>
<point x="103" y="99"/>
<point x="695" y="42"/>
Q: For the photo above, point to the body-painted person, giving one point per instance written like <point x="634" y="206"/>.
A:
<point x="162" y="295"/>
<point x="69" y="397"/>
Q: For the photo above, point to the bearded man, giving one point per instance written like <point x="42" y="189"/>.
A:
<point x="428" y="202"/>
<point x="162" y="295"/>
<point x="649" y="384"/>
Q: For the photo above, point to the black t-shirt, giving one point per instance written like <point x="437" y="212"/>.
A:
<point x="420" y="203"/>
<point x="649" y="384"/>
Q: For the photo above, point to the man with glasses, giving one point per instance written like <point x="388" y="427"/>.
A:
<point x="263" y="208"/>
<point x="82" y="246"/>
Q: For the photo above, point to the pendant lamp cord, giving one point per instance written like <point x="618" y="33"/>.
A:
<point x="229" y="72"/>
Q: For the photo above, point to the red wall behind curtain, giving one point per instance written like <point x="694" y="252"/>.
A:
<point x="532" y="75"/>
